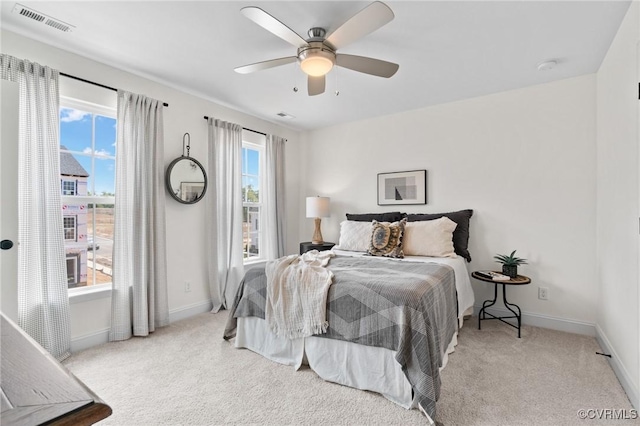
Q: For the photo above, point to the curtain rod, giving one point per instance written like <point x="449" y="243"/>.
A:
<point x="96" y="84"/>
<point x="244" y="128"/>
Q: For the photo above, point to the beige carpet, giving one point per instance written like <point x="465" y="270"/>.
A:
<point x="187" y="374"/>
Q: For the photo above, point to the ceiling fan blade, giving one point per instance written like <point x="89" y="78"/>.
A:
<point x="362" y="23"/>
<point x="366" y="65"/>
<point x="316" y="85"/>
<point x="272" y="25"/>
<point x="259" y="66"/>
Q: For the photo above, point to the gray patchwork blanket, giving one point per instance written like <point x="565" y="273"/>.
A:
<point x="407" y="307"/>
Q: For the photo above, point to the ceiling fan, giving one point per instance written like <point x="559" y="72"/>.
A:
<point x="318" y="54"/>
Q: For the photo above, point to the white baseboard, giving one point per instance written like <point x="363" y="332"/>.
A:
<point x="80" y="343"/>
<point x="189" y="311"/>
<point x="86" y="341"/>
<point x="619" y="369"/>
<point x="546" y="321"/>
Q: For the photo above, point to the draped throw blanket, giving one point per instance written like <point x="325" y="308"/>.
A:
<point x="297" y="289"/>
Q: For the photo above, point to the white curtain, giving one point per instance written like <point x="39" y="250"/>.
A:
<point x="224" y="212"/>
<point x="274" y="198"/>
<point x="139" y="299"/>
<point x="43" y="301"/>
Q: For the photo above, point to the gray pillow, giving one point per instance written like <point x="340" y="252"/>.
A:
<point x="461" y="233"/>
<point x="380" y="217"/>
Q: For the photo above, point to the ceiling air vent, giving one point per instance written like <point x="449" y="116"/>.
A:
<point x="57" y="25"/>
<point x="41" y="17"/>
<point x="285" y="115"/>
<point x="30" y="13"/>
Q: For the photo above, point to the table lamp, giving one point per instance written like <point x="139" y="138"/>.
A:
<point x="317" y="207"/>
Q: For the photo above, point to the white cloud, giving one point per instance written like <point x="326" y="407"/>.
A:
<point x="98" y="153"/>
<point x="68" y="115"/>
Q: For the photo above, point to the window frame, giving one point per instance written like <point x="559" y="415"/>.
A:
<point x="256" y="143"/>
<point x="85" y="292"/>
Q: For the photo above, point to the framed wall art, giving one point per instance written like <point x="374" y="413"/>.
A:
<point x="402" y="188"/>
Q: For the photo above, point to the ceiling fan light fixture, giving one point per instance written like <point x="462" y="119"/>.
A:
<point x="316" y="66"/>
<point x="316" y="59"/>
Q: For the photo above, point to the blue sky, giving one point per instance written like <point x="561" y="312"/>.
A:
<point x="250" y="167"/>
<point x="75" y="135"/>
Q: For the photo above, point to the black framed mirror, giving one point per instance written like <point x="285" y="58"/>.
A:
<point x="185" y="177"/>
<point x="186" y="180"/>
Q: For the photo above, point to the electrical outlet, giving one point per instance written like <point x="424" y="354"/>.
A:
<point x="543" y="293"/>
<point x="187" y="286"/>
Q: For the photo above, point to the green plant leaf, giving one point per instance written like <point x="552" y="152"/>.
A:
<point x="510" y="260"/>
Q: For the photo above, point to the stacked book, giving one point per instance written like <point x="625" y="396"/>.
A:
<point x="495" y="276"/>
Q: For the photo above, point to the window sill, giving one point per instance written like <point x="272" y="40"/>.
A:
<point x="254" y="262"/>
<point x="79" y="295"/>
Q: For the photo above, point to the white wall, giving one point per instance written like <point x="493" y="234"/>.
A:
<point x="523" y="160"/>
<point x="618" y="197"/>
<point x="187" y="260"/>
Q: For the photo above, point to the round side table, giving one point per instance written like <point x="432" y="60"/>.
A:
<point x="482" y="315"/>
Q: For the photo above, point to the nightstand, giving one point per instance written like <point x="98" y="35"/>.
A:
<point x="308" y="245"/>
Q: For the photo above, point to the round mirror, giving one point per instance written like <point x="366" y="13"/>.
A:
<point x="186" y="180"/>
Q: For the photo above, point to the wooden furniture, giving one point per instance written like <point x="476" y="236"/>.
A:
<point x="519" y="280"/>
<point x="37" y="389"/>
<point x="308" y="245"/>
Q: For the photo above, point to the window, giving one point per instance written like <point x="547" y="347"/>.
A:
<point x="68" y="187"/>
<point x="252" y="159"/>
<point x="87" y="175"/>
<point x="69" y="228"/>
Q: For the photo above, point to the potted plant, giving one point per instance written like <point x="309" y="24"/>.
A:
<point x="510" y="263"/>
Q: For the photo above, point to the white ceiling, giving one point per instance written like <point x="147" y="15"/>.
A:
<point x="447" y="50"/>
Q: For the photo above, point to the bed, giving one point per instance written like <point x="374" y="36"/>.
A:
<point x="392" y="323"/>
<point x="400" y="292"/>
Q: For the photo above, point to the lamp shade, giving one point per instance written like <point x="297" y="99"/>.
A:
<point x="317" y="206"/>
<point x="316" y="66"/>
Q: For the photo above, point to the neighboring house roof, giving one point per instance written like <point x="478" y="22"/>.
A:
<point x="69" y="166"/>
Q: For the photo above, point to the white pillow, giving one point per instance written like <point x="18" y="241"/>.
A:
<point x="355" y="236"/>
<point x="429" y="238"/>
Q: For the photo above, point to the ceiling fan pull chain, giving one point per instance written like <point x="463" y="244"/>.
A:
<point x="295" y="77"/>
<point x="337" y="92"/>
